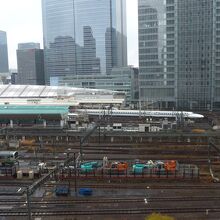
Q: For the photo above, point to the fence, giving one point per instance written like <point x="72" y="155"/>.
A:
<point x="184" y="172"/>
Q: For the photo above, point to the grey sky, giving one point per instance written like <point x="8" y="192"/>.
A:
<point x="22" y="21"/>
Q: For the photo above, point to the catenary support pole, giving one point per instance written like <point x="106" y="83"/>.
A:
<point x="28" y="203"/>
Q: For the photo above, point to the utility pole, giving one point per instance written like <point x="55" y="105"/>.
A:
<point x="99" y="134"/>
<point x="80" y="148"/>
<point x="88" y="133"/>
<point x="28" y="203"/>
<point x="212" y="144"/>
<point x="139" y="107"/>
<point x="75" y="177"/>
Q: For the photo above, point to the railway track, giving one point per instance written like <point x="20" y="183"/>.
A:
<point x="130" y="211"/>
<point x="87" y="150"/>
<point x="129" y="147"/>
<point x="117" y="145"/>
<point x="60" y="148"/>
<point x="139" y="151"/>
<point x="141" y="186"/>
<point x="117" y="186"/>
<point x="137" y="199"/>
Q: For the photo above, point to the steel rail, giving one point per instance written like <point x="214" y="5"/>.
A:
<point x="112" y="211"/>
<point x="114" y="200"/>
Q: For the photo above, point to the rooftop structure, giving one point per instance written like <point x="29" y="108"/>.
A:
<point x="28" y="46"/>
<point x="32" y="110"/>
<point x="54" y="95"/>
<point x="29" y="115"/>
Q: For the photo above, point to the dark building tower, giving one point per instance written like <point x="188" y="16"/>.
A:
<point x="60" y="58"/>
<point x="30" y="61"/>
<point x="195" y="47"/>
<point x="215" y="102"/>
<point x="85" y="22"/>
<point x="110" y="49"/>
<point x="3" y="53"/>
<point x="179" y="53"/>
<point x="156" y="54"/>
<point x="90" y="63"/>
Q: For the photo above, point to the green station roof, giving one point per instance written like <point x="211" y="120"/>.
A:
<point x="33" y="110"/>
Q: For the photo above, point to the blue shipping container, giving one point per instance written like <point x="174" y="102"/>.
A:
<point x="85" y="191"/>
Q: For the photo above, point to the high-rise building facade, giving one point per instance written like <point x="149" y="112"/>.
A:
<point x="3" y="53"/>
<point x="30" y="61"/>
<point x="215" y="102"/>
<point x="83" y="37"/>
<point x="195" y="53"/>
<point x="179" y="53"/>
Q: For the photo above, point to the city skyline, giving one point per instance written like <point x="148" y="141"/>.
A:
<point x="16" y="23"/>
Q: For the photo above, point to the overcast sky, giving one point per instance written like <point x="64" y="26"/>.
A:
<point x="22" y="20"/>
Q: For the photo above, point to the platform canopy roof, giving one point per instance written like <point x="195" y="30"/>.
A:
<point x="36" y="91"/>
<point x="33" y="110"/>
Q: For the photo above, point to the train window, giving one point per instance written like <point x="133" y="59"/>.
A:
<point x="16" y="154"/>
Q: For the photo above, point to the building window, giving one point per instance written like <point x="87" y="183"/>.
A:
<point x="170" y="29"/>
<point x="170" y="22"/>
<point x="170" y="1"/>
<point x="170" y="8"/>
<point x="170" y="15"/>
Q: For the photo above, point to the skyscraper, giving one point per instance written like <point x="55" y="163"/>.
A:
<point x="30" y="60"/>
<point x="156" y="54"/>
<point x="179" y="53"/>
<point x="83" y="37"/>
<point x="3" y="53"/>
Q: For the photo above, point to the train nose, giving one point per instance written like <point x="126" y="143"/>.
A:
<point x="198" y="116"/>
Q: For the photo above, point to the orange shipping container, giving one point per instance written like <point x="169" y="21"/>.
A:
<point x="27" y="142"/>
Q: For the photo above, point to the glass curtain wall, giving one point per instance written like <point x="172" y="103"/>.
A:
<point x="83" y="37"/>
<point x="195" y="40"/>
<point x="157" y="52"/>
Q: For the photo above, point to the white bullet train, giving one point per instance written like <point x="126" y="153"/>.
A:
<point x="137" y="113"/>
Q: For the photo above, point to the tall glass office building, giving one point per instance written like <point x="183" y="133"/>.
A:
<point x="83" y="37"/>
<point x="3" y="52"/>
<point x="179" y="53"/>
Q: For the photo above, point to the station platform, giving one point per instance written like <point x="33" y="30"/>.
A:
<point x="17" y="115"/>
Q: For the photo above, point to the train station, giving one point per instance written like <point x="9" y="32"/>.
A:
<point x="22" y="105"/>
<point x="70" y="146"/>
